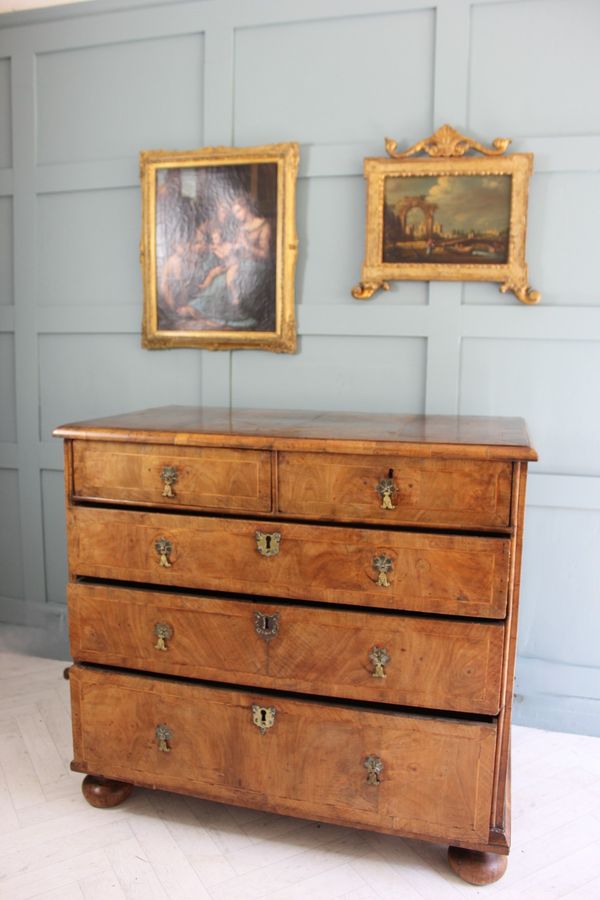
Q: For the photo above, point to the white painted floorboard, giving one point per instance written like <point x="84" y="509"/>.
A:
<point x="157" y="845"/>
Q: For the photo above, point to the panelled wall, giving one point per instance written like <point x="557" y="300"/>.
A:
<point x="82" y="90"/>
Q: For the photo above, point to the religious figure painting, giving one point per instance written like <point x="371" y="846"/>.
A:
<point x="452" y="217"/>
<point x="219" y="248"/>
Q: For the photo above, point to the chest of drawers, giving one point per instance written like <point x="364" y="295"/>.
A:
<point x="308" y="613"/>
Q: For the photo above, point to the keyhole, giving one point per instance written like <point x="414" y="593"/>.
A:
<point x="263" y="715"/>
<point x="266" y="623"/>
<point x="268" y="541"/>
<point x="391" y="473"/>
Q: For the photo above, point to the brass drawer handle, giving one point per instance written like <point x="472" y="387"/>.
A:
<point x="162" y="633"/>
<point x="263" y="717"/>
<point x="169" y="477"/>
<point x="266" y="624"/>
<point x="164" y="548"/>
<point x="374" y="767"/>
<point x="268" y="544"/>
<point x="386" y="490"/>
<point x="380" y="658"/>
<point x="382" y="565"/>
<point x="163" y="734"/>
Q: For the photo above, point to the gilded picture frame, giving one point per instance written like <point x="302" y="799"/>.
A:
<point x="448" y="217"/>
<point x="219" y="247"/>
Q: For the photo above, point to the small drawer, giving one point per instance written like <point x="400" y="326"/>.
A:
<point x="456" y="575"/>
<point x="164" y="475"/>
<point x="404" y="660"/>
<point x="395" y="490"/>
<point x="403" y="773"/>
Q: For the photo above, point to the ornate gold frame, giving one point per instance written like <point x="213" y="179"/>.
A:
<point x="447" y="151"/>
<point x="283" y="338"/>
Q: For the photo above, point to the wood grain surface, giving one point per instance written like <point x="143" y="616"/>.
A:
<point x="464" y="576"/>
<point x="436" y="778"/>
<point x="397" y="616"/>
<point x="206" y="478"/>
<point x="461" y="437"/>
<point x="441" y="493"/>
<point x="435" y="663"/>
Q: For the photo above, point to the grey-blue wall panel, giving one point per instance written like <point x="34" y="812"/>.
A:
<point x="87" y="375"/>
<point x="87" y="248"/>
<point x="8" y="412"/>
<point x="552" y="384"/>
<point x="5" y="115"/>
<point x="11" y="551"/>
<point x="550" y="86"/>
<point x="55" y="543"/>
<point x="6" y="251"/>
<point x="342" y="373"/>
<point x="313" y="81"/>
<point x="561" y="619"/>
<point x="127" y="96"/>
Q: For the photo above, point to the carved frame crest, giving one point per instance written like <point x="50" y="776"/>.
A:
<point x="425" y="222"/>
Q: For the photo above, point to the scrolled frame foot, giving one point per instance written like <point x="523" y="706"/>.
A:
<point x="522" y="292"/>
<point x="104" y="793"/>
<point x="364" y="290"/>
<point x="477" y="867"/>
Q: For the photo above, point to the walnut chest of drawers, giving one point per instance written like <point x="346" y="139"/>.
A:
<point x="302" y="612"/>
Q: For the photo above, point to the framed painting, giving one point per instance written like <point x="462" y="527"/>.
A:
<point x="448" y="217"/>
<point x="219" y="247"/>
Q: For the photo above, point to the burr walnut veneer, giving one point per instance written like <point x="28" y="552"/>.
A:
<point x="303" y="612"/>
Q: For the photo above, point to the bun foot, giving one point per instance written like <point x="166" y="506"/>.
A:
<point x="476" y="867"/>
<point x="104" y="793"/>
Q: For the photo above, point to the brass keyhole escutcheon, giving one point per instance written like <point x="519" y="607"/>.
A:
<point x="163" y="633"/>
<point x="382" y="565"/>
<point x="266" y="625"/>
<point x="164" y="548"/>
<point x="169" y="477"/>
<point x="163" y="735"/>
<point x="386" y="490"/>
<point x="263" y="717"/>
<point x="374" y="767"/>
<point x="268" y="544"/>
<point x="380" y="658"/>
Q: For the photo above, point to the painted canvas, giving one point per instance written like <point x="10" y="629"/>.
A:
<point x="215" y="261"/>
<point x="446" y="218"/>
<point x="219" y="247"/>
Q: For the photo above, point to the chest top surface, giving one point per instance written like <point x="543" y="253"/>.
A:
<point x="475" y="437"/>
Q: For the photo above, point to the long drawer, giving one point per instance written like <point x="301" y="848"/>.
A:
<point x="394" y="490"/>
<point x="405" y="773"/>
<point x="463" y="575"/>
<point x="211" y="478"/>
<point x="404" y="660"/>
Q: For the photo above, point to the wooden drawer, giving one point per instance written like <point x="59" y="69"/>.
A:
<point x="206" y="478"/>
<point x="432" y="663"/>
<point x="436" y="778"/>
<point x="429" y="573"/>
<point x="444" y="493"/>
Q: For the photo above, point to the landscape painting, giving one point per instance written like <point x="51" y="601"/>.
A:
<point x="446" y="219"/>
<point x="453" y="216"/>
